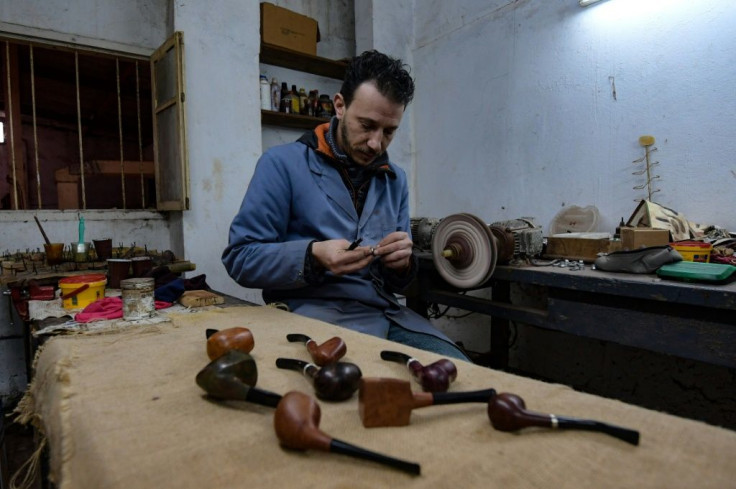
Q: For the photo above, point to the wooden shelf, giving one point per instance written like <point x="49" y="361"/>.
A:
<point x="294" y="121"/>
<point x="286" y="58"/>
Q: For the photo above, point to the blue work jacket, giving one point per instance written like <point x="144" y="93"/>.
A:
<point x="297" y="195"/>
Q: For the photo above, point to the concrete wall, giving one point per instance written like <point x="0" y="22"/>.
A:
<point x="528" y="106"/>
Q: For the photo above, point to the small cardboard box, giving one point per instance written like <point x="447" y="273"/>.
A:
<point x="635" y="238"/>
<point x="288" y="29"/>
<point x="579" y="246"/>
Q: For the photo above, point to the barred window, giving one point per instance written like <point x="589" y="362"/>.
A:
<point x="80" y="128"/>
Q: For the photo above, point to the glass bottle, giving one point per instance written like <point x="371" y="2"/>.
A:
<point x="303" y="102"/>
<point x="312" y="102"/>
<point x="285" y="103"/>
<point x="294" y="100"/>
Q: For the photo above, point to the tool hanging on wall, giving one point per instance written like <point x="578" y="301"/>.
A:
<point x="647" y="142"/>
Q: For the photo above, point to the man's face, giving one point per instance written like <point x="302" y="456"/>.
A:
<point x="367" y="126"/>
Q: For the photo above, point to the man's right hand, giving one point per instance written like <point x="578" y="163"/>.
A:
<point x="334" y="256"/>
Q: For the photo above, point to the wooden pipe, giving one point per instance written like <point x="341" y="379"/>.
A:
<point x="233" y="377"/>
<point x="435" y="377"/>
<point x="334" y="382"/>
<point x="330" y="351"/>
<point x="507" y="412"/>
<point x="389" y="402"/>
<point x="296" y="422"/>
<point x="220" y="342"/>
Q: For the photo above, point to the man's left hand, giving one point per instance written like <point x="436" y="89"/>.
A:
<point x="395" y="250"/>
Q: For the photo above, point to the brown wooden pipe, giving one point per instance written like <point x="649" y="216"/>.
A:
<point x="220" y="342"/>
<point x="435" y="377"/>
<point x="296" y="422"/>
<point x="507" y="412"/>
<point x="233" y="376"/>
<point x="334" y="382"/>
<point x="389" y="402"/>
<point x="330" y="351"/>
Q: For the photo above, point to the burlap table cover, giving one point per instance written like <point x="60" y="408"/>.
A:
<point x="122" y="410"/>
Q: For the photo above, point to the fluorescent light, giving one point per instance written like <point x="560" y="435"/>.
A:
<point x="585" y="3"/>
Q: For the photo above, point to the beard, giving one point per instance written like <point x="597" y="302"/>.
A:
<point x="360" y="154"/>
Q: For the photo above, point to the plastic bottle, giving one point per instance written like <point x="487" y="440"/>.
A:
<point x="275" y="94"/>
<point x="265" y="93"/>
<point x="294" y="100"/>
<point x="285" y="103"/>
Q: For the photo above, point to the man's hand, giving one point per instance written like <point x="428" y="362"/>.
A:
<point x="395" y="250"/>
<point x="335" y="256"/>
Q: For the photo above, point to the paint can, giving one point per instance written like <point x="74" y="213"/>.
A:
<point x="137" y="295"/>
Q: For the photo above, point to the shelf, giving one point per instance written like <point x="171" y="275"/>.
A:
<point x="294" y="60"/>
<point x="294" y="121"/>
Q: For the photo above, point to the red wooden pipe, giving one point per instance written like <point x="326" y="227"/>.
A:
<point x="507" y="412"/>
<point x="296" y="422"/>
<point x="435" y="377"/>
<point x="330" y="351"/>
<point x="334" y="382"/>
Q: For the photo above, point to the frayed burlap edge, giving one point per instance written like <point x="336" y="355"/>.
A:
<point x="32" y="409"/>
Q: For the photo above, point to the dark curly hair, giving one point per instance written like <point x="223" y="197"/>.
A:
<point x="390" y="75"/>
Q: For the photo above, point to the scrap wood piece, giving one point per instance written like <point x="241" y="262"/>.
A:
<point x="200" y="298"/>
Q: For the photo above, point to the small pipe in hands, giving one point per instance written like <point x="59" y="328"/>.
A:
<point x="296" y="422"/>
<point x="334" y="382"/>
<point x="435" y="377"/>
<point x="233" y="376"/>
<point x="507" y="412"/>
<point x="330" y="351"/>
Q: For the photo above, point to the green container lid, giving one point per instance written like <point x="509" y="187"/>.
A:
<point x="698" y="271"/>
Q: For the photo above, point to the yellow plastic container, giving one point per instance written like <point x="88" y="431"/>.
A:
<point x="693" y="250"/>
<point x="82" y="290"/>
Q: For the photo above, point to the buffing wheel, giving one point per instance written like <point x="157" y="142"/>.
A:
<point x="464" y="250"/>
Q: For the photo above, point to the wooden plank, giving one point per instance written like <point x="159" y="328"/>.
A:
<point x="294" y="121"/>
<point x="294" y="60"/>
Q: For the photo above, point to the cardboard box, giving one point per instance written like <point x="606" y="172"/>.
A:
<point x="576" y="248"/>
<point x="288" y="29"/>
<point x="635" y="238"/>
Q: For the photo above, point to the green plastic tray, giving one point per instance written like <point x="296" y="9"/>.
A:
<point x="698" y="271"/>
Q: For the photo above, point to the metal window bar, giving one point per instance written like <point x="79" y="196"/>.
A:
<point x="35" y="130"/>
<point x="16" y="198"/>
<point x="140" y="136"/>
<point x="10" y="126"/>
<point x="79" y="130"/>
<point x="120" y="131"/>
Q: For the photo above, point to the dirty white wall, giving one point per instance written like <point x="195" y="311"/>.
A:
<point x="135" y="27"/>
<point x="517" y="114"/>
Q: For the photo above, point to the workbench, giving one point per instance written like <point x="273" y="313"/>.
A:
<point x="685" y="319"/>
<point x="122" y="410"/>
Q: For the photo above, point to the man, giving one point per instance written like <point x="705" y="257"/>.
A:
<point x="310" y="199"/>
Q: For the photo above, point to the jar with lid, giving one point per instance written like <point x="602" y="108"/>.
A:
<point x="325" y="108"/>
<point x="265" y="93"/>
